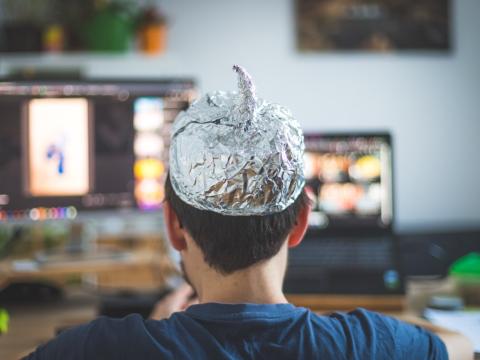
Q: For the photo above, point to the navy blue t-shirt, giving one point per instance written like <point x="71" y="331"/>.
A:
<point x="246" y="331"/>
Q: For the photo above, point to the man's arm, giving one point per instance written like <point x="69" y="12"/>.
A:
<point x="177" y="300"/>
<point x="458" y="346"/>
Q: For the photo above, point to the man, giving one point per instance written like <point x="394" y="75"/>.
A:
<point x="235" y="203"/>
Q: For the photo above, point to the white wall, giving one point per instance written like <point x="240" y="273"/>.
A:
<point x="430" y="102"/>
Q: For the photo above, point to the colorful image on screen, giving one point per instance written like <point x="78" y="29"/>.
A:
<point x="58" y="147"/>
<point x="150" y="154"/>
<point x="349" y="180"/>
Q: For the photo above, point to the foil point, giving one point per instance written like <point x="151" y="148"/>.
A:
<point x="245" y="111"/>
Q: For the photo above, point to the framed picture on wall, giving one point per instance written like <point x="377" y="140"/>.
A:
<point x="373" y="25"/>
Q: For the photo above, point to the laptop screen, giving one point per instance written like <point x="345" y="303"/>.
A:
<point x="350" y="180"/>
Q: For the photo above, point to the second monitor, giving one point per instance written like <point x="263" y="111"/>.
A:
<point x="85" y="144"/>
<point x="350" y="177"/>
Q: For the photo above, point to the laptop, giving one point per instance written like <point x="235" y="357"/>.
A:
<point x="350" y="246"/>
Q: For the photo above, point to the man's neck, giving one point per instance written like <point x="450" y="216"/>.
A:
<point x="258" y="284"/>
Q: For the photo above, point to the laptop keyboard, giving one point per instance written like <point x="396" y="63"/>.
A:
<point x="343" y="253"/>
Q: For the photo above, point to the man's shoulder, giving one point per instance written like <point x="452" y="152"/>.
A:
<point x="359" y="323"/>
<point x="359" y="317"/>
<point x="128" y="336"/>
<point x="102" y="336"/>
<point x="366" y="323"/>
<point x="384" y="336"/>
<point x="106" y="330"/>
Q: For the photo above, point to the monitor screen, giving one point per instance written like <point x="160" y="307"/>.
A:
<point x="350" y="181"/>
<point x="85" y="145"/>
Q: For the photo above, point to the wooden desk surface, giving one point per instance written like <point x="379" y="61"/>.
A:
<point x="149" y="270"/>
<point x="326" y="303"/>
<point x="134" y="259"/>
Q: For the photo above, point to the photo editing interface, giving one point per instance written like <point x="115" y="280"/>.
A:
<point x="75" y="146"/>
<point x="350" y="178"/>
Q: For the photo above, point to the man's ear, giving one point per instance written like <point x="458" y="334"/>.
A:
<point x="174" y="229"/>
<point x="298" y="232"/>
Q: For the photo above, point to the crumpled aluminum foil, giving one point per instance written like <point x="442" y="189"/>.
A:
<point x="235" y="154"/>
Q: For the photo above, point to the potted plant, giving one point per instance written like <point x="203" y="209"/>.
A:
<point x="111" y="26"/>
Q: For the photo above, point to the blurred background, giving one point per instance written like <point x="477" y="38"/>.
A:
<point x="408" y="69"/>
<point x="427" y="98"/>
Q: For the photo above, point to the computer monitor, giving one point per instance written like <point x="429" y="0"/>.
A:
<point x="350" y="177"/>
<point x="67" y="146"/>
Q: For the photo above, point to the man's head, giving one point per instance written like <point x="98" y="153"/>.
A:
<point x="231" y="243"/>
<point x="235" y="191"/>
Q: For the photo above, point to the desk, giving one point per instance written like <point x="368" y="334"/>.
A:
<point x="151" y="270"/>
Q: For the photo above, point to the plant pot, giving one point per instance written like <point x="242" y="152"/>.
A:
<point x="108" y="31"/>
<point x="153" y="39"/>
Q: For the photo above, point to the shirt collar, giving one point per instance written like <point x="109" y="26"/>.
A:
<point x="241" y="311"/>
